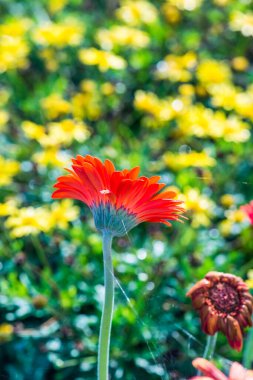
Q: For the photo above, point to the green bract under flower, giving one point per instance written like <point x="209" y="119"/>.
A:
<point x="115" y="221"/>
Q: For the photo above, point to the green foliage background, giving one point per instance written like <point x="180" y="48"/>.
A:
<point x="55" y="311"/>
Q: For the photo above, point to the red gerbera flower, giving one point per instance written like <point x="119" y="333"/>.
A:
<point x="248" y="209"/>
<point x="119" y="200"/>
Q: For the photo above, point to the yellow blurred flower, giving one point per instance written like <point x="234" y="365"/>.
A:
<point x="13" y="47"/>
<point x="64" y="132"/>
<point x="56" y="133"/>
<point x="122" y="36"/>
<point x="107" y="88"/>
<point x="54" y="106"/>
<point x="185" y="160"/>
<point x="6" y="331"/>
<point x="201" y="90"/>
<point x="15" y="27"/>
<point x="240" y="63"/>
<point x="235" y="130"/>
<point x="222" y="3"/>
<point x="13" y="53"/>
<point x="200" y="205"/>
<point x="31" y="221"/>
<point x="249" y="89"/>
<point x="227" y="200"/>
<point x="86" y="105"/>
<point x="67" y="33"/>
<point x="50" y="58"/>
<point x="28" y="221"/>
<point x="204" y="122"/>
<point x="89" y="103"/>
<point x="243" y="104"/>
<point x="33" y="130"/>
<point x="176" y="68"/>
<point x="188" y="5"/>
<point x="211" y="71"/>
<point x="4" y="96"/>
<point x="9" y="168"/>
<point x="171" y="13"/>
<point x="51" y="157"/>
<point x="88" y="86"/>
<point x="136" y="12"/>
<point x="4" y="117"/>
<point x="63" y="212"/>
<point x="103" y="59"/>
<point x="186" y="89"/>
<point x="55" y="6"/>
<point x="242" y="22"/>
<point x="8" y="207"/>
<point x="233" y="218"/>
<point x="230" y="97"/>
<point x="249" y="282"/>
<point x="223" y="95"/>
<point x="159" y="108"/>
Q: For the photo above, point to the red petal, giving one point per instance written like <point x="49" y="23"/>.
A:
<point x="208" y="369"/>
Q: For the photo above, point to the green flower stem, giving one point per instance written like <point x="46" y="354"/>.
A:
<point x="106" y="320"/>
<point x="210" y="348"/>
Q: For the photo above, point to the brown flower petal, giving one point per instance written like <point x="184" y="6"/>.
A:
<point x="234" y="333"/>
<point x="211" y="324"/>
<point x="198" y="301"/>
<point x="199" y="286"/>
<point x="249" y="305"/>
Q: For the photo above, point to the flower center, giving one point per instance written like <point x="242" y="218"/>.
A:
<point x="224" y="297"/>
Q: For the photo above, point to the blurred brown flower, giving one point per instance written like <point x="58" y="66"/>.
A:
<point x="237" y="372"/>
<point x="224" y="304"/>
<point x="39" y="301"/>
